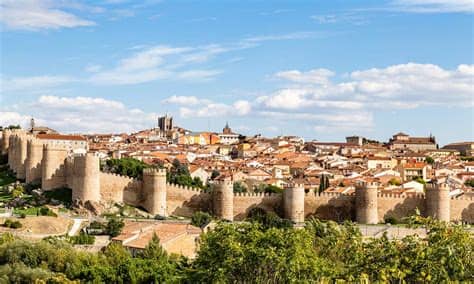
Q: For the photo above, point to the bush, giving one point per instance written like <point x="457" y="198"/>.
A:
<point x="62" y="194"/>
<point x="82" y="239"/>
<point x="12" y="224"/>
<point x="160" y="217"/>
<point x="239" y="187"/>
<point x="45" y="211"/>
<point x="267" y="219"/>
<point x="200" y="219"/>
<point x="114" y="226"/>
<point x="127" y="167"/>
<point x="391" y="220"/>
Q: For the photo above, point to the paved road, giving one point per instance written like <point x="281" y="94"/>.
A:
<point x="76" y="226"/>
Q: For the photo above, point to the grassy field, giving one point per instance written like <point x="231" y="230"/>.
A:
<point x="32" y="211"/>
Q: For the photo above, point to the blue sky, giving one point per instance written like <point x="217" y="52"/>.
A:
<point x="318" y="69"/>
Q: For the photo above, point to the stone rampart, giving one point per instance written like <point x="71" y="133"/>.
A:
<point x="184" y="201"/>
<point x="330" y="206"/>
<point x="244" y="202"/>
<point x="119" y="189"/>
<point x="55" y="167"/>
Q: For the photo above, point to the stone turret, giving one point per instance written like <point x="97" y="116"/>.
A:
<point x="12" y="151"/>
<point x="86" y="179"/>
<point x="6" y="133"/>
<point x="21" y="156"/>
<point x="33" y="160"/>
<point x="53" y="174"/>
<point x="366" y="203"/>
<point x="293" y="203"/>
<point x="223" y="200"/>
<point x="438" y="201"/>
<point x="154" y="190"/>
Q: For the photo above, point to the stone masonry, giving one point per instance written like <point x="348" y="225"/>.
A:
<point x="55" y="167"/>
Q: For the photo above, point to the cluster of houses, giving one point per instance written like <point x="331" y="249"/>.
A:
<point x="403" y="164"/>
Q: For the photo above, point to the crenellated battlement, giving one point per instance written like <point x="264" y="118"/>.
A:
<point x="182" y="187"/>
<point x="256" y="194"/>
<point x="54" y="166"/>
<point x="154" y="171"/>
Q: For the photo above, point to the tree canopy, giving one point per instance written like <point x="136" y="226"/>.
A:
<point x="255" y="252"/>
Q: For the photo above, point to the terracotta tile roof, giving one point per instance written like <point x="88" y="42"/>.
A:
<point x="61" y="137"/>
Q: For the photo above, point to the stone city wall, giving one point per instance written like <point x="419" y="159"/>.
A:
<point x="55" y="167"/>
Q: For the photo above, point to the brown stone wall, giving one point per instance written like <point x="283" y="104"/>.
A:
<point x="399" y="206"/>
<point x="462" y="209"/>
<point x="53" y="174"/>
<point x="244" y="202"/>
<point x="184" y="201"/>
<point x="117" y="188"/>
<point x="330" y="206"/>
<point x="33" y="161"/>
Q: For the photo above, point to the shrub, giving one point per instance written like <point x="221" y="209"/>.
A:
<point x="114" y="226"/>
<point x="82" y="239"/>
<point x="160" y="217"/>
<point x="45" y="211"/>
<point x="267" y="219"/>
<point x="391" y="220"/>
<point x="200" y="219"/>
<point x="12" y="224"/>
<point x="239" y="187"/>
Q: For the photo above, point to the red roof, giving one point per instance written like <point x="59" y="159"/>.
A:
<point x="61" y="137"/>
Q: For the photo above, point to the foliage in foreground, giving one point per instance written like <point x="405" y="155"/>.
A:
<point x="201" y="219"/>
<point x="256" y="253"/>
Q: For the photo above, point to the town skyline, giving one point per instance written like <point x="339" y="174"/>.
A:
<point x="311" y="69"/>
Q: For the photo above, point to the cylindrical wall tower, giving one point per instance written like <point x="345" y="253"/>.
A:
<point x="154" y="188"/>
<point x="33" y="160"/>
<point x="366" y="203"/>
<point x="11" y="152"/>
<point x="6" y="133"/>
<point x="438" y="201"/>
<point x="223" y="200"/>
<point x="22" y="148"/>
<point x="53" y="174"/>
<point x="86" y="184"/>
<point x="293" y="202"/>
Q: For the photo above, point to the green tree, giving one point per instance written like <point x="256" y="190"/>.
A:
<point x="201" y="219"/>
<point x="127" y="167"/>
<point x="179" y="174"/>
<point x="469" y="182"/>
<point x="114" y="226"/>
<point x="239" y="187"/>
<point x="323" y="183"/>
<point x="214" y="174"/>
<point x="429" y="160"/>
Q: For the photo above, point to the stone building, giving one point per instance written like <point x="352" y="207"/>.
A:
<point x="55" y="166"/>
<point x="402" y="141"/>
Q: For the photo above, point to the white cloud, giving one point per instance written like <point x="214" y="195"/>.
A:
<point x="198" y="75"/>
<point x="161" y="62"/>
<point x="316" y="76"/>
<point x="396" y="86"/>
<point x="351" y="18"/>
<point x="238" y="108"/>
<point x="32" y="83"/>
<point x="37" y="14"/>
<point x="288" y="36"/>
<point x="13" y="118"/>
<point x="80" y="114"/>
<point x="185" y="100"/>
<point x="434" y="6"/>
